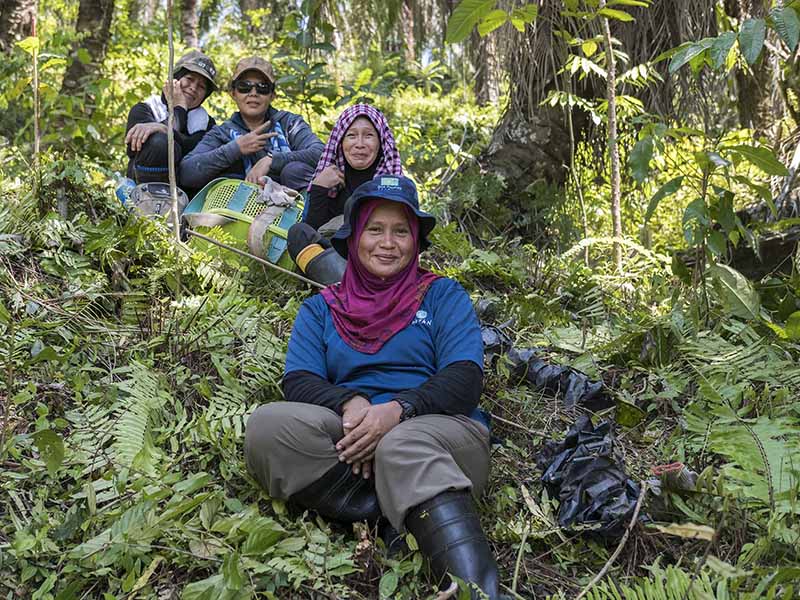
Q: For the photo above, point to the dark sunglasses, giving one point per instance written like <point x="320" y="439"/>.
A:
<point x="245" y="87"/>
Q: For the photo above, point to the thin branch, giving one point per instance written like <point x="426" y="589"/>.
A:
<point x="255" y="258"/>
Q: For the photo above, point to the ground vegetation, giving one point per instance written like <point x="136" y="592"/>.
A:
<point x="129" y="363"/>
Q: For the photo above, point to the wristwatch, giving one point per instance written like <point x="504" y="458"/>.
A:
<point x="409" y="411"/>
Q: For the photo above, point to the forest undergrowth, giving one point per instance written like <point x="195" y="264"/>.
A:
<point x="130" y="366"/>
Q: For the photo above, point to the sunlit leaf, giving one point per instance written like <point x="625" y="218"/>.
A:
<point x="465" y="16"/>
<point x="492" y="21"/>
<point x="687" y="530"/>
<point x="684" y="54"/>
<point x="793" y="326"/>
<point x="761" y="157"/>
<point x="721" y="48"/>
<point x="612" y="13"/>
<point x="589" y="47"/>
<point x="30" y="44"/>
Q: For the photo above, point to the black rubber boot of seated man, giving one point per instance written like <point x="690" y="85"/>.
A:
<point x="449" y="533"/>
<point x="341" y="496"/>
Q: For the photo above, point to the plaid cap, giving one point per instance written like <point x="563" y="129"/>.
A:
<point x="197" y="62"/>
<point x="254" y="63"/>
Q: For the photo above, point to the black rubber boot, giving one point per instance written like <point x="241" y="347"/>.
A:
<point x="449" y="533"/>
<point x="326" y="268"/>
<point x="393" y="540"/>
<point x="341" y="496"/>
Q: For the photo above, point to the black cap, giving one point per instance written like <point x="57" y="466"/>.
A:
<point x="197" y="62"/>
<point x="384" y="187"/>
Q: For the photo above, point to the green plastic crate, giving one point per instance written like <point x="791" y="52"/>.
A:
<point x="237" y="200"/>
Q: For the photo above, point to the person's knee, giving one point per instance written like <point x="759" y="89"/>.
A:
<point x="296" y="175"/>
<point x="155" y="151"/>
<point x="393" y="446"/>
<point x="264" y="425"/>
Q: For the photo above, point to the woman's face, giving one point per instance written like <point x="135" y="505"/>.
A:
<point x="361" y="144"/>
<point x="194" y="87"/>
<point x="386" y="245"/>
<point x="252" y="105"/>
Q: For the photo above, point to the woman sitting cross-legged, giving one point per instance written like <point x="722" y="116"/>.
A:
<point x="360" y="147"/>
<point x="383" y="378"/>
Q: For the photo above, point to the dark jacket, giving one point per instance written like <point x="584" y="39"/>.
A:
<point x="322" y="208"/>
<point x="141" y="113"/>
<point x="218" y="154"/>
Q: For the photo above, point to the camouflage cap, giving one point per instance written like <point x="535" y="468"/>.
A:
<point x="254" y="63"/>
<point x="197" y="62"/>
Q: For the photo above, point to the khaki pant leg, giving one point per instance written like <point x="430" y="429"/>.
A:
<point x="425" y="456"/>
<point x="289" y="445"/>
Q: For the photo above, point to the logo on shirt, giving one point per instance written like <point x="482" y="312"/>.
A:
<point x="421" y="318"/>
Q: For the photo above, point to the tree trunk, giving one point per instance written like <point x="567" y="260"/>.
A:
<point x="94" y="24"/>
<point x="16" y="22"/>
<point x="190" y="17"/>
<point x="487" y="67"/>
<point x="409" y="39"/>
<point x="757" y="102"/>
<point x="532" y="140"/>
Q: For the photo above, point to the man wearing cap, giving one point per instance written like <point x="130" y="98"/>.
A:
<point x="146" y="132"/>
<point x="258" y="140"/>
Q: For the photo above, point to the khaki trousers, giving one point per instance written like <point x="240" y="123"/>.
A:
<point x="289" y="445"/>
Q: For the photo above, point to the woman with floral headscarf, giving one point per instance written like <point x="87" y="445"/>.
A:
<point x="383" y="376"/>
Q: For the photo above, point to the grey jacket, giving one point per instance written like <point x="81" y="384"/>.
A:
<point x="218" y="154"/>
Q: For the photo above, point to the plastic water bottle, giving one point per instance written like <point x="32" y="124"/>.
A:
<point x="125" y="186"/>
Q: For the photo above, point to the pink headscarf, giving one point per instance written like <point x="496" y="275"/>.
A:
<point x="332" y="154"/>
<point x="367" y="310"/>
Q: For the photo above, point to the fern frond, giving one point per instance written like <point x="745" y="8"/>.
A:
<point x="136" y="417"/>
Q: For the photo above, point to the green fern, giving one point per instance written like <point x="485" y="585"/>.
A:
<point x="136" y="416"/>
<point x="671" y="583"/>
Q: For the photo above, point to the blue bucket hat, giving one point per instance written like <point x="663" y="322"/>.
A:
<point x="383" y="187"/>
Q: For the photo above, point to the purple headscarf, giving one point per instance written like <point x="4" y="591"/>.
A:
<point x="367" y="310"/>
<point x="389" y="158"/>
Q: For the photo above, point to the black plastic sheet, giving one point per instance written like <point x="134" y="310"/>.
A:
<point x="584" y="474"/>
<point x="574" y="387"/>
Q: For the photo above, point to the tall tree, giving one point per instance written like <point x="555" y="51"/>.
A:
<point x="409" y="38"/>
<point x="531" y="141"/>
<point x="190" y="17"/>
<point x="486" y="64"/>
<point x="94" y="27"/>
<point x="757" y="89"/>
<point x="16" y="21"/>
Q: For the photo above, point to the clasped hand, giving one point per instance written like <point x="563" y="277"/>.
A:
<point x="364" y="426"/>
<point x="329" y="177"/>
